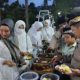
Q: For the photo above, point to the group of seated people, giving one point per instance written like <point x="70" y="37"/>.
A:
<point x="15" y="44"/>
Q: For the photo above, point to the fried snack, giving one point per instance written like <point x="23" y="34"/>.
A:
<point x="28" y="57"/>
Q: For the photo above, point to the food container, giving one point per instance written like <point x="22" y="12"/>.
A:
<point x="29" y="76"/>
<point x="49" y="76"/>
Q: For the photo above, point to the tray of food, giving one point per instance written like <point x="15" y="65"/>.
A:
<point x="43" y="60"/>
<point x="42" y="68"/>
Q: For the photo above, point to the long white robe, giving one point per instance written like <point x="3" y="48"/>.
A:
<point x="22" y="39"/>
<point x="6" y="73"/>
<point x="47" y="31"/>
<point x="36" y="36"/>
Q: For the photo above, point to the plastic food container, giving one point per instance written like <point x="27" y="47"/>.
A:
<point x="29" y="76"/>
<point x="49" y="76"/>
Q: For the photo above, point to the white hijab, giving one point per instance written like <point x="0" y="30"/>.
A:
<point x="21" y="38"/>
<point x="36" y="35"/>
<point x="47" y="31"/>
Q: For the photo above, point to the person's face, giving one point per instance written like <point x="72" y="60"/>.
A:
<point x="76" y="31"/>
<point x="68" y="39"/>
<point x="45" y="24"/>
<point x="21" y="27"/>
<point x="4" y="31"/>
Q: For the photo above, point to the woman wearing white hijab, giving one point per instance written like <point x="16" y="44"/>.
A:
<point x="36" y="35"/>
<point x="22" y="39"/>
<point x="47" y="31"/>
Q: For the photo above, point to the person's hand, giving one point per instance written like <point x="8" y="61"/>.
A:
<point x="76" y="72"/>
<point x="60" y="69"/>
<point x="64" y="69"/>
<point x="9" y="63"/>
<point x="57" y="58"/>
<point x="54" y="59"/>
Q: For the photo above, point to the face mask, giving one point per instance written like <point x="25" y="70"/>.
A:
<point x="20" y="31"/>
<point x="39" y="29"/>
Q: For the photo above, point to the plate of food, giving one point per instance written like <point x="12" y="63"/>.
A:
<point x="41" y="68"/>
